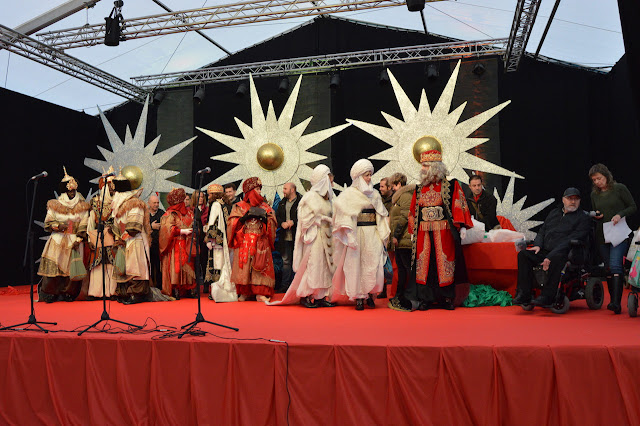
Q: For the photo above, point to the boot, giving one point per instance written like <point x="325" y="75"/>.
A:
<point x="615" y="292"/>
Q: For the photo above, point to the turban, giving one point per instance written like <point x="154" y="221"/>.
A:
<point x="250" y="184"/>
<point x="360" y="167"/>
<point x="176" y="196"/>
<point x="214" y="188"/>
<point x="320" y="181"/>
<point x="68" y="183"/>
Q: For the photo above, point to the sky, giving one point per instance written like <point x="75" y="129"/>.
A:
<point x="585" y="32"/>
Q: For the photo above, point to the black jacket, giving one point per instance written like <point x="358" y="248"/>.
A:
<point x="484" y="210"/>
<point x="559" y="229"/>
<point x="281" y="216"/>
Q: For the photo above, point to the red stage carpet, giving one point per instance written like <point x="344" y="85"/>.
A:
<point x="477" y="366"/>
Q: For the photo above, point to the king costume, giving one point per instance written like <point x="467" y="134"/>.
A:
<point x="437" y="217"/>
<point x="360" y="234"/>
<point x="252" y="233"/>
<point x="66" y="219"/>
<point x="313" y="249"/>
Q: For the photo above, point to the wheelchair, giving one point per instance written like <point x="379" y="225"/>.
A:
<point x="581" y="278"/>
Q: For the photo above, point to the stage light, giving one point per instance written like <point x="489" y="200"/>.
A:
<point x="199" y="95"/>
<point x="242" y="90"/>
<point x="113" y="25"/>
<point x="158" y="97"/>
<point x="478" y="69"/>
<point x="284" y="85"/>
<point x="384" y="78"/>
<point x="415" y="5"/>
<point x="432" y="71"/>
<point x="335" y="81"/>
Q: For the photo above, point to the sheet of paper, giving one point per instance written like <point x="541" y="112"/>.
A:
<point x="615" y="234"/>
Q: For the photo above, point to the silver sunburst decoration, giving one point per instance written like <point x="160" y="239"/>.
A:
<point x="270" y="148"/>
<point x="519" y="217"/>
<point x="133" y="152"/>
<point x="440" y="124"/>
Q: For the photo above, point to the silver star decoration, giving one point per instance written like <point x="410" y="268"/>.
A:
<point x="270" y="129"/>
<point x="439" y="123"/>
<point x="133" y="153"/>
<point x="519" y="217"/>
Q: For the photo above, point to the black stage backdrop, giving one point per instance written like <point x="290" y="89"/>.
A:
<point x="560" y="121"/>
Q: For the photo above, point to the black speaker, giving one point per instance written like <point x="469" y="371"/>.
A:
<point x="415" y="5"/>
<point x="112" y="31"/>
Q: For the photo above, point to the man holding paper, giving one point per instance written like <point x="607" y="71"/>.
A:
<point x="612" y="202"/>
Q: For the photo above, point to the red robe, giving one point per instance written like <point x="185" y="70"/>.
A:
<point x="252" y="243"/>
<point x="177" y="271"/>
<point x="437" y="207"/>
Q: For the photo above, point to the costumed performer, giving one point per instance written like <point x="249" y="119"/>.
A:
<point x="313" y="251"/>
<point x="132" y="234"/>
<point x="360" y="234"/>
<point x="107" y="190"/>
<point x="176" y="242"/>
<point x="438" y="218"/>
<point x="66" y="219"/>
<point x="252" y="232"/>
<point x="218" y="274"/>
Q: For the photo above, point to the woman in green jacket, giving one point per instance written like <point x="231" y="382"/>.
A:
<point x="612" y="201"/>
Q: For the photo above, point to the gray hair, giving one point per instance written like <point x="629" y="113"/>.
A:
<point x="437" y="172"/>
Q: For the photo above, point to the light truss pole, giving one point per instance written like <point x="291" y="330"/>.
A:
<point x="523" y="20"/>
<point x="243" y="12"/>
<point x="23" y="45"/>
<point x="323" y="63"/>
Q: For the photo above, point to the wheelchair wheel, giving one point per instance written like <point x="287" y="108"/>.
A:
<point x="528" y="307"/>
<point x="594" y="293"/>
<point x="632" y="305"/>
<point x="561" y="308"/>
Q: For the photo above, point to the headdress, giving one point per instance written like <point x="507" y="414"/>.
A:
<point x="250" y="184"/>
<point x="68" y="183"/>
<point x="214" y="188"/>
<point x="121" y="183"/>
<point x="176" y="196"/>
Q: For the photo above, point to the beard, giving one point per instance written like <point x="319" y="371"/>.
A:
<point x="434" y="174"/>
<point x="570" y="209"/>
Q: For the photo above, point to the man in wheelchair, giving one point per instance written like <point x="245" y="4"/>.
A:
<point x="551" y="247"/>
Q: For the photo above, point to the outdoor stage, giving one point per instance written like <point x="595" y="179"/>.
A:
<point x="470" y="366"/>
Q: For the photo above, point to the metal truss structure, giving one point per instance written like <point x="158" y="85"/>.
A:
<point x="523" y="20"/>
<point x="324" y="63"/>
<point x="243" y="12"/>
<point x="23" y="45"/>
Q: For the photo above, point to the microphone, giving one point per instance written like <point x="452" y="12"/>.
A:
<point x="203" y="171"/>
<point x="594" y="213"/>
<point x="39" y="175"/>
<point x="109" y="175"/>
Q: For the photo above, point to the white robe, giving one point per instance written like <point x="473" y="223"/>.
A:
<point x="313" y="251"/>
<point x="137" y="247"/>
<point x="359" y="253"/>
<point x="222" y="290"/>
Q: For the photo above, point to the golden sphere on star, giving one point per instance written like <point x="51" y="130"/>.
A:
<point x="134" y="175"/>
<point x="425" y="143"/>
<point x="270" y="156"/>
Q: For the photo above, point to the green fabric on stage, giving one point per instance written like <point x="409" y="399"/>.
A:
<point x="485" y="295"/>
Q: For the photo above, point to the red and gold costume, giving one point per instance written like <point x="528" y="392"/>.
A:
<point x="252" y="235"/>
<point x="435" y="208"/>
<point x="178" y="274"/>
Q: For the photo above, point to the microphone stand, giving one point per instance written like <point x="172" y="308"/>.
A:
<point x="29" y="249"/>
<point x="188" y="328"/>
<point x="100" y="236"/>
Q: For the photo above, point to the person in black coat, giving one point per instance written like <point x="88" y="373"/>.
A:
<point x="551" y="249"/>
<point x="287" y="217"/>
<point x="482" y="204"/>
